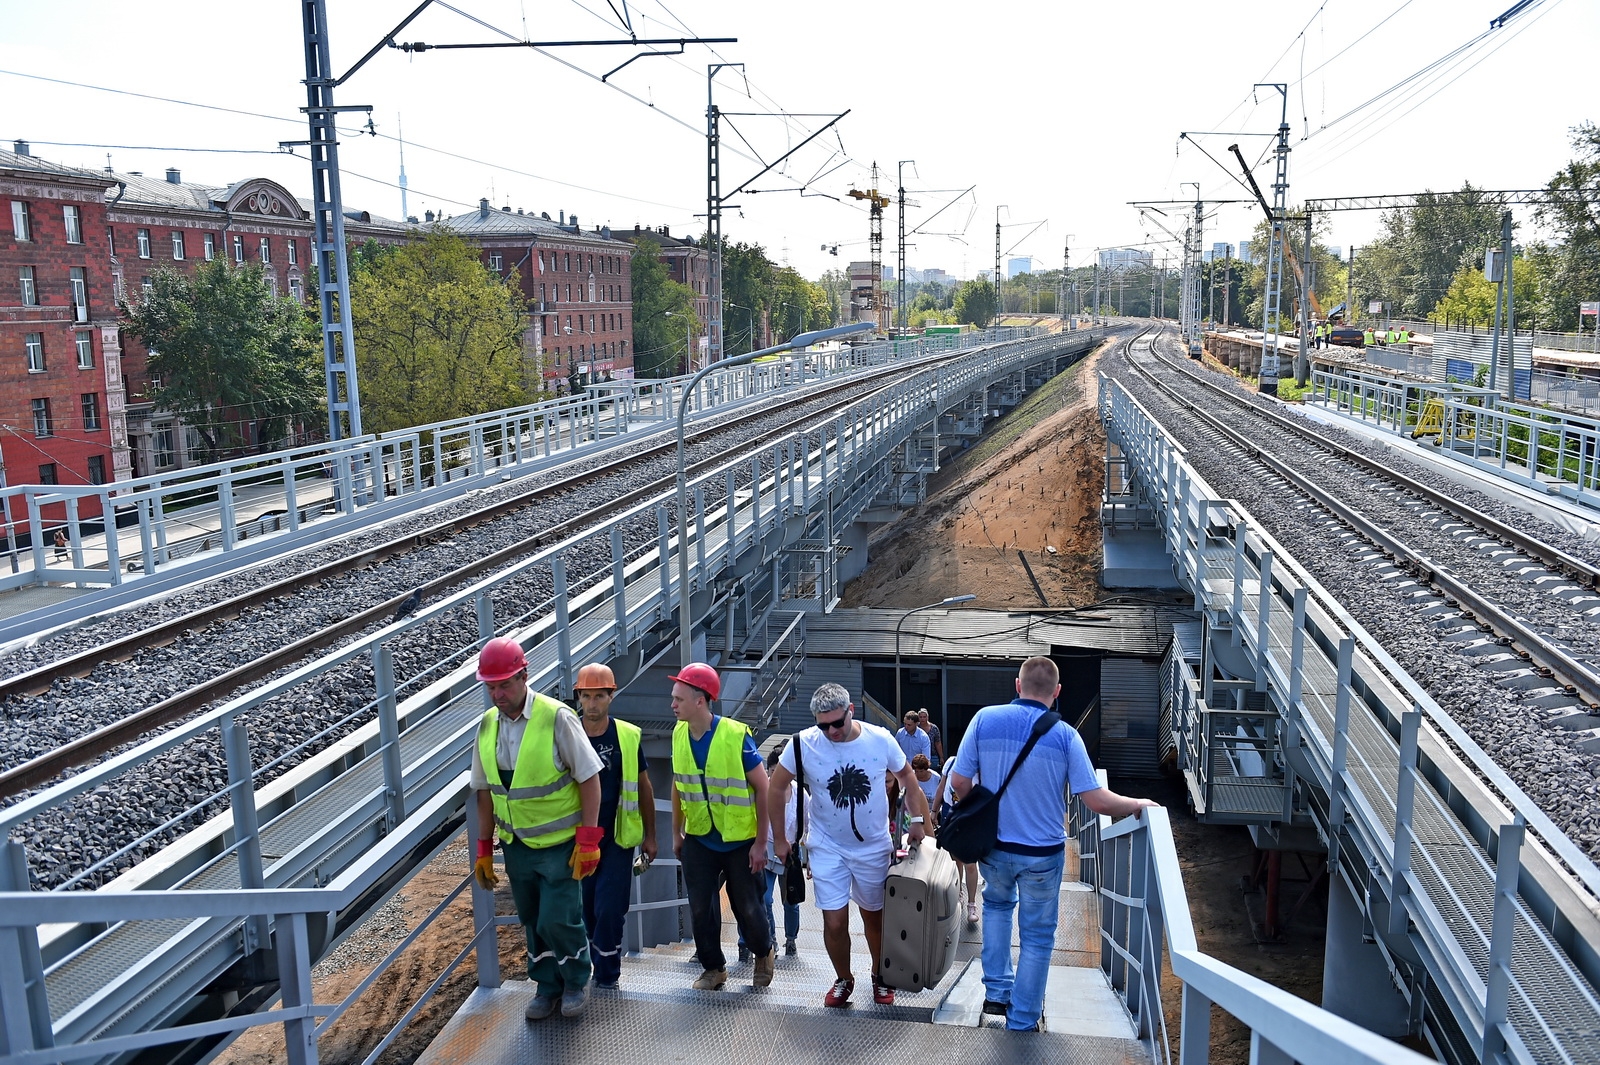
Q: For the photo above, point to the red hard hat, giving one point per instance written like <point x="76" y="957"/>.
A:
<point x="699" y="675"/>
<point x="500" y="659"/>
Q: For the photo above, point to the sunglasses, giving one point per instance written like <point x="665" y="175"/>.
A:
<point x="832" y="726"/>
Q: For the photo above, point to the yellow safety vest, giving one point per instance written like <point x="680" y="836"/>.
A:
<point x="541" y="807"/>
<point x="1366" y="338"/>
<point x="719" y="795"/>
<point x="630" y="825"/>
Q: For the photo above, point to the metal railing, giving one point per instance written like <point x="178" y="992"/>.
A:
<point x="398" y="752"/>
<point x="1531" y="445"/>
<point x="1145" y="926"/>
<point x="1420" y="824"/>
<point x="284" y="491"/>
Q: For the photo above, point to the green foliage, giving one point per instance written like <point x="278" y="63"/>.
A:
<point x="975" y="303"/>
<point x="1572" y="265"/>
<point x="229" y="353"/>
<point x="1414" y="261"/>
<point x="438" y="336"/>
<point x="1470" y="298"/>
<point x="662" y="311"/>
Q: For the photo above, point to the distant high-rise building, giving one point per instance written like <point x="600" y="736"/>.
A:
<point x="1022" y="265"/>
<point x="1119" y="260"/>
<point x="1219" y="251"/>
<point x="1337" y="252"/>
<point x="935" y="276"/>
<point x="1244" y="255"/>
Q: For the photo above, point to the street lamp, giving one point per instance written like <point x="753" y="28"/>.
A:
<point x="688" y="338"/>
<point x="899" y="713"/>
<point x="685" y="621"/>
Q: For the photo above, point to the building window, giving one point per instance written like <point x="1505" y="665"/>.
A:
<point x="177" y="244"/>
<point x="73" y="217"/>
<point x="41" y="418"/>
<point x="266" y="250"/>
<point x="210" y="246"/>
<point x="294" y="286"/>
<point x="162" y="439"/>
<point x="91" y="410"/>
<point x="80" y="295"/>
<point x="294" y="252"/>
<point x="47" y="473"/>
<point x="34" y="345"/>
<point x="21" y="220"/>
<point x="97" y="469"/>
<point x="147" y="286"/>
<point x="569" y="293"/>
<point x="30" y="291"/>
<point x="496" y="263"/>
<point x="569" y="260"/>
<point x="238" y="249"/>
<point x="85" y="341"/>
<point x="111" y="241"/>
<point x="144" y="244"/>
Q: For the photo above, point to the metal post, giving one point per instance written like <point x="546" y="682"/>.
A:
<point x="488" y="949"/>
<point x="714" y="217"/>
<point x="619" y="589"/>
<point x="558" y="575"/>
<point x="246" y="825"/>
<point x="294" y="979"/>
<point x="1194" y="1029"/>
<point x="1507" y="867"/>
<point x="1405" y="800"/>
<point x="394" y="781"/>
<point x="900" y="278"/>
<point x="1341" y="736"/>
<point x="1240" y="531"/>
<point x="1511" y="309"/>
<point x="1263" y="619"/>
<point x="338" y="341"/>
<point x="1280" y="191"/>
<point x="24" y="1003"/>
<point x="1302" y="361"/>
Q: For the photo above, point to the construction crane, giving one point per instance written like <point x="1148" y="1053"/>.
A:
<point x="877" y="201"/>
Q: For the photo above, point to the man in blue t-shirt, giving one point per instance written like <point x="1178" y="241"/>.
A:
<point x="1027" y="861"/>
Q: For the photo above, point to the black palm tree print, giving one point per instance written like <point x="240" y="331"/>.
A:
<point x="850" y="787"/>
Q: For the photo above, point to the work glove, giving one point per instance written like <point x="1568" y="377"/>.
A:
<point x="586" y="851"/>
<point x="483" y="868"/>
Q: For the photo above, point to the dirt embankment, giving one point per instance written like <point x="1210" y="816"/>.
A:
<point x="1032" y="485"/>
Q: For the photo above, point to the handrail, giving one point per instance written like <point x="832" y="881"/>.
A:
<point x="1141" y="884"/>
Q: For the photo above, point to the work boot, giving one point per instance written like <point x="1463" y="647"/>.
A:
<point x="541" y="1007"/>
<point x="764" y="967"/>
<point x="573" y="1002"/>
<point x="711" y="980"/>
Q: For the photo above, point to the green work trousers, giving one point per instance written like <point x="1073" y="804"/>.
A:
<point x="550" y="905"/>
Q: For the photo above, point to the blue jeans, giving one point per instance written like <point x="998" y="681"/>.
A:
<point x="605" y="905"/>
<point x="1037" y="882"/>
<point x="791" y="914"/>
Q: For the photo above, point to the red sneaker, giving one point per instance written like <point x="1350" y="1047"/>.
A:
<point x="882" y="993"/>
<point x="838" y="995"/>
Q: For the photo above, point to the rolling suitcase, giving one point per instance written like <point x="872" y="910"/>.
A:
<point x="921" y="918"/>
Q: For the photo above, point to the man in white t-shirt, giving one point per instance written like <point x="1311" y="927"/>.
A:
<point x="845" y="764"/>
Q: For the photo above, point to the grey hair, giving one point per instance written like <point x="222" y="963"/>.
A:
<point x="829" y="696"/>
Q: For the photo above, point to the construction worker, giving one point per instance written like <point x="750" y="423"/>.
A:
<point x="627" y="812"/>
<point x="719" y="825"/>
<point x="543" y="802"/>
<point x="1367" y="338"/>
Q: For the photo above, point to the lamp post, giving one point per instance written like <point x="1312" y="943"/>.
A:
<point x="688" y="338"/>
<point x="685" y="620"/>
<point x="899" y="713"/>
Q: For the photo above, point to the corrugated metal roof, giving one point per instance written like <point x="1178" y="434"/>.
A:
<point x="1117" y="628"/>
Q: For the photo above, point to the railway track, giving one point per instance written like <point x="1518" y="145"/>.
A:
<point x="1501" y="629"/>
<point x="185" y="628"/>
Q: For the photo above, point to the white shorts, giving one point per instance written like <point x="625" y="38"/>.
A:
<point x="837" y="879"/>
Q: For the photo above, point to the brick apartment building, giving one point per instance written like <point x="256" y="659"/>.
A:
<point x="577" y="284"/>
<point x="74" y="389"/>
<point x="688" y="263"/>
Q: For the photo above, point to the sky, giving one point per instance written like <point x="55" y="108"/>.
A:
<point x="1055" y="115"/>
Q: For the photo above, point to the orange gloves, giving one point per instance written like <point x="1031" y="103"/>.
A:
<point x="483" y="868"/>
<point x="586" y="851"/>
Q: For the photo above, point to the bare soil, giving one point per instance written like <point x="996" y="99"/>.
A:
<point x="1031" y="484"/>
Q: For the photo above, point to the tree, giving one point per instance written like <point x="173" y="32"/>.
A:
<point x="438" y="335"/>
<point x="1412" y="264"/>
<point x="975" y="303"/>
<point x="230" y="353"/>
<point x="1470" y="298"/>
<point x="1572" y="265"/>
<point x="747" y="288"/>
<point x="850" y="787"/>
<point x="658" y="337"/>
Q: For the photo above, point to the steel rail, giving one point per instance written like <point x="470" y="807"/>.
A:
<point x="1577" y="676"/>
<point x="91" y="745"/>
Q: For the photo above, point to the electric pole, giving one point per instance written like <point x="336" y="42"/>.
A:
<point x="900" y="278"/>
<point x="998" y="305"/>
<point x="1274" y="295"/>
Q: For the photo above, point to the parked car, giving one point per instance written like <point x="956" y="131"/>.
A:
<point x="1345" y="337"/>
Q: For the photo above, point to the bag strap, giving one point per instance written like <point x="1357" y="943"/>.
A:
<point x="1041" y="725"/>
<point x="799" y="795"/>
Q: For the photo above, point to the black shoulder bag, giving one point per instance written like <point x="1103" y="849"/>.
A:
<point x="969" y="831"/>
<point x="794" y="872"/>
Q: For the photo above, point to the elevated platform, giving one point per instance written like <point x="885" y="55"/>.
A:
<point x="786" y="1023"/>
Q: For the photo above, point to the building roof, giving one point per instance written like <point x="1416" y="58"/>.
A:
<point x="33" y="164"/>
<point x="1140" y="629"/>
<point x="666" y="240"/>
<point x="250" y="196"/>
<point x="486" y="223"/>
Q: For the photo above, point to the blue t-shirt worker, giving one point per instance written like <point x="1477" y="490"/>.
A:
<point x="1023" y="872"/>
